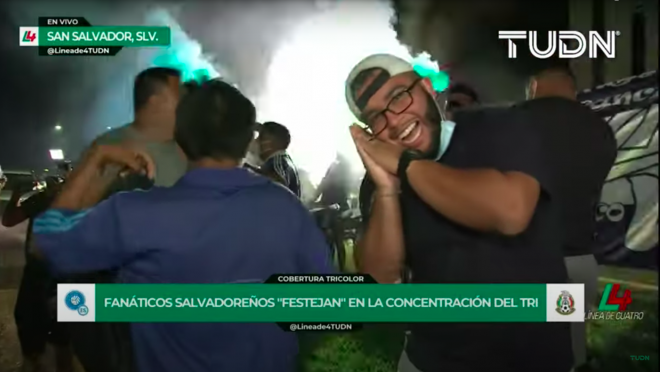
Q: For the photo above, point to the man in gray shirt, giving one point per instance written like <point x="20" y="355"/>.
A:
<point x="155" y="97"/>
<point x="106" y="347"/>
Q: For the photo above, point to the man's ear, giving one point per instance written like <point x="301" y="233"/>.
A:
<point x="533" y="85"/>
<point x="426" y="83"/>
<point x="154" y="100"/>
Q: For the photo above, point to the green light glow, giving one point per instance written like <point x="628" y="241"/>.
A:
<point x="188" y="70"/>
<point x="426" y="68"/>
<point x="183" y="54"/>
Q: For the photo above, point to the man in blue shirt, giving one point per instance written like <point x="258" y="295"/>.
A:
<point x="274" y="140"/>
<point x="213" y="226"/>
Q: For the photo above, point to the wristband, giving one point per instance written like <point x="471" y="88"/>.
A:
<point x="406" y="158"/>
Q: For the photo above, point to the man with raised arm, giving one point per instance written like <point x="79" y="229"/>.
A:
<point x="214" y="225"/>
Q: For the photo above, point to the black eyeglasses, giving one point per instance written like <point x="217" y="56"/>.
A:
<point x="398" y="104"/>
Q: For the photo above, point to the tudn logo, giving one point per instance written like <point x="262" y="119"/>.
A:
<point x="75" y="301"/>
<point x="558" y="40"/>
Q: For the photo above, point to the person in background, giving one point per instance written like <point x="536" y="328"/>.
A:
<point x="307" y="188"/>
<point x="334" y="187"/>
<point x="252" y="158"/>
<point x="32" y="313"/>
<point x="333" y="193"/>
<point x="156" y="93"/>
<point x="274" y="140"/>
<point x="3" y="179"/>
<point x="188" y="87"/>
<point x="567" y="125"/>
<point x="460" y="96"/>
<point x="464" y="203"/>
<point x="171" y="235"/>
<point x="105" y="347"/>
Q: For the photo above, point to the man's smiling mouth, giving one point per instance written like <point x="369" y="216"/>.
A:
<point x="411" y="133"/>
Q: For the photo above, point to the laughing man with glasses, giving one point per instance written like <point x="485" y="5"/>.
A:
<point x="465" y="203"/>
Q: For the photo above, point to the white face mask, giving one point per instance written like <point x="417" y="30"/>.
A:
<point x="446" y="132"/>
<point x="531" y="90"/>
<point x="446" y="127"/>
<point x="253" y="155"/>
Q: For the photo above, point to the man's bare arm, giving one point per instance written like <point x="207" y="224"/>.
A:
<point x="484" y="199"/>
<point x="98" y="189"/>
<point x="92" y="195"/>
<point x="86" y="185"/>
<point x="380" y="251"/>
<point x="78" y="193"/>
<point x="84" y="188"/>
<point x="14" y="214"/>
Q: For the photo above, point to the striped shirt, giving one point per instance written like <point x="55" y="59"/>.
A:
<point x="281" y="164"/>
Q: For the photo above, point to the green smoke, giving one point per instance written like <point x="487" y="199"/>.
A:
<point x="183" y="54"/>
<point x="426" y="68"/>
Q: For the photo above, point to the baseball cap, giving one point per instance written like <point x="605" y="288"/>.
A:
<point x="388" y="65"/>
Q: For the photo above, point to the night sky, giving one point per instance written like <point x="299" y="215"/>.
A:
<point x="41" y="92"/>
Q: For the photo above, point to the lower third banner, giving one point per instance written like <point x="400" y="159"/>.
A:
<point x="349" y="303"/>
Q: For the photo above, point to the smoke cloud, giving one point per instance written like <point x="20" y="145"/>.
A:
<point x="464" y="34"/>
<point x="87" y="95"/>
<point x="244" y="35"/>
<point x="290" y="57"/>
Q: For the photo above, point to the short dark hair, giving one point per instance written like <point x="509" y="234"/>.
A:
<point x="559" y="69"/>
<point x="463" y="88"/>
<point x="278" y="132"/>
<point x="190" y="86"/>
<point x="215" y="120"/>
<point x="149" y="82"/>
